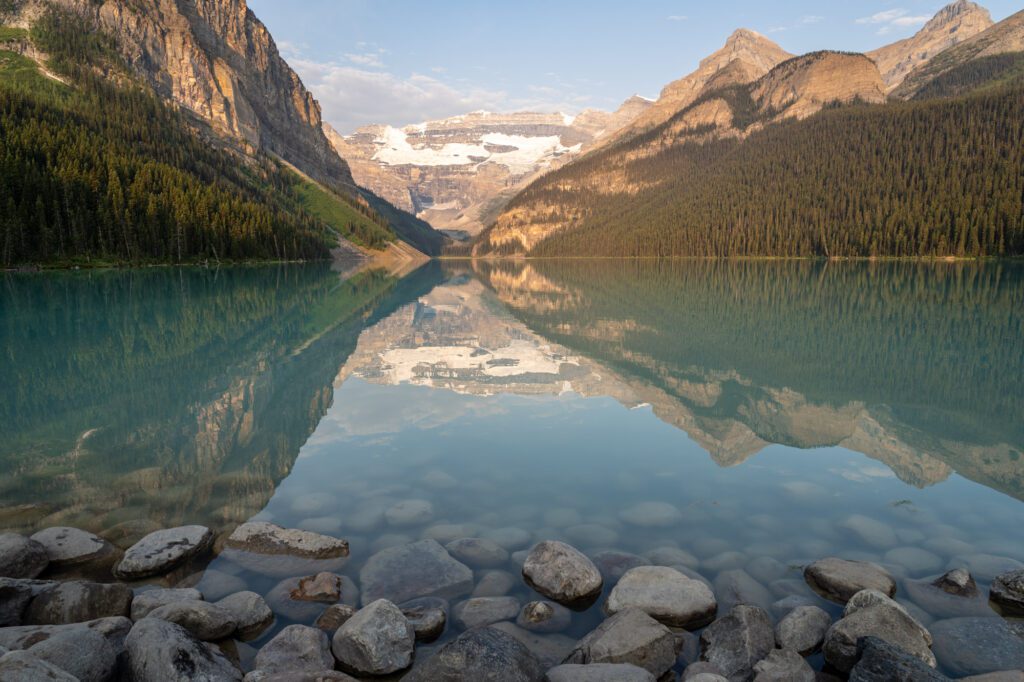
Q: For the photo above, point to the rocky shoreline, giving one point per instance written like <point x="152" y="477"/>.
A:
<point x="73" y="606"/>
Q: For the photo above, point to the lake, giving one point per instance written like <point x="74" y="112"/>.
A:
<point x="736" y="419"/>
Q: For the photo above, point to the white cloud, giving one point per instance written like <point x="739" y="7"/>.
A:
<point x="806" y="20"/>
<point x="678" y="17"/>
<point x="893" y="19"/>
<point x="367" y="59"/>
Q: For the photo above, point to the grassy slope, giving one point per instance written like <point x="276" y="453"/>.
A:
<point x="345" y="219"/>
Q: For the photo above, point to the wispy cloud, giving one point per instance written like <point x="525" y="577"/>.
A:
<point x="891" y="19"/>
<point x="678" y="17"/>
<point x="806" y="20"/>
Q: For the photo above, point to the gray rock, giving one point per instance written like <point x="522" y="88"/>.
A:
<point x="82" y="652"/>
<point x="736" y="586"/>
<point x="428" y="616"/>
<point x="766" y="570"/>
<point x="875" y="615"/>
<point x="803" y="629"/>
<point x="163" y="550"/>
<point x="481" y="655"/>
<point x="726" y="561"/>
<point x="736" y="642"/>
<point x="672" y="556"/>
<point x="630" y="636"/>
<point x="478" y="552"/>
<point x="986" y="567"/>
<point x="318" y="676"/>
<point x="592" y="535"/>
<point x="666" y="595"/>
<point x="260" y="537"/>
<point x="159" y="651"/>
<point x="838" y="579"/>
<point x="21" y="666"/>
<point x="114" y="629"/>
<point x="334" y="617"/>
<point x="870" y="531"/>
<point x="544" y="616"/>
<point x="1008" y="592"/>
<point x="250" y="612"/>
<point x="915" y="560"/>
<point x="21" y="557"/>
<point x="562" y="573"/>
<point x="289" y="600"/>
<point x="77" y="602"/>
<point x="72" y="547"/>
<point x="944" y="598"/>
<point x="15" y="595"/>
<point x="206" y="622"/>
<point x="495" y="584"/>
<point x="420" y="569"/>
<point x="378" y="640"/>
<point x="880" y="661"/>
<point x="409" y="513"/>
<point x="550" y="649"/>
<point x="296" y="649"/>
<point x="613" y="564"/>
<point x="972" y="646"/>
<point x="215" y="584"/>
<point x="481" y="611"/>
<point x="599" y="672"/>
<point x="652" y="515"/>
<point x="958" y="582"/>
<point x="147" y="602"/>
<point x="783" y="606"/>
<point x="510" y="538"/>
<point x="783" y="665"/>
<point x="702" y="671"/>
<point x="1001" y="676"/>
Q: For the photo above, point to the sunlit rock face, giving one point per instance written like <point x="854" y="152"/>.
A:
<point x="456" y="172"/>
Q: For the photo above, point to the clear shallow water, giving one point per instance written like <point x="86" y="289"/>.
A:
<point x="787" y="411"/>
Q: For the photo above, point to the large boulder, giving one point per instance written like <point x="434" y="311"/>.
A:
<point x="839" y="579"/>
<point x="161" y="551"/>
<point x="880" y="661"/>
<point x="378" y="640"/>
<point x="1008" y="592"/>
<point x="563" y="573"/>
<point x="630" y="636"/>
<point x="666" y="595"/>
<point x="82" y="652"/>
<point x="159" y="651"/>
<point x="73" y="547"/>
<point x="15" y="595"/>
<point x="78" y="602"/>
<point x="481" y="655"/>
<point x="474" y="613"/>
<point x="147" y="602"/>
<point x="115" y="630"/>
<point x="271" y="550"/>
<point x="737" y="641"/>
<point x="783" y="665"/>
<point x="206" y="622"/>
<point x="803" y="629"/>
<point x="873" y="614"/>
<point x="22" y="666"/>
<point x="599" y="672"/>
<point x="296" y="649"/>
<point x="21" y="557"/>
<point x="250" y="612"/>
<point x="972" y="646"/>
<point x="419" y="569"/>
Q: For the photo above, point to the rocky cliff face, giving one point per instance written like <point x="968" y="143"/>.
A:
<point x="953" y="25"/>
<point x="456" y="172"/>
<point x="215" y="59"/>
<point x="802" y="86"/>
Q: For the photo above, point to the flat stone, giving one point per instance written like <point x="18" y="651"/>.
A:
<point x="973" y="646"/>
<point x="114" y="629"/>
<point x="652" y="515"/>
<point x="82" y="652"/>
<point x="1008" y="592"/>
<point x="378" y="640"/>
<point x="159" y="651"/>
<point x="163" y="550"/>
<point x="666" y="595"/>
<point x="915" y="560"/>
<point x="78" y="602"/>
<point x="147" y="602"/>
<point x="870" y="531"/>
<point x="875" y="616"/>
<point x="630" y="636"/>
<point x="428" y="616"/>
<point x="880" y="661"/>
<point x="420" y="569"/>
<point x="838" y="579"/>
<point x="478" y="552"/>
<point x="21" y="557"/>
<point x="334" y="617"/>
<point x="296" y="649"/>
<point x="736" y="586"/>
<point x="495" y="584"/>
<point x="72" y="547"/>
<point x="322" y="587"/>
<point x="482" y="655"/>
<point x="803" y="629"/>
<point x="737" y="641"/>
<point x="481" y="611"/>
<point x="410" y="513"/>
<point x="250" y="612"/>
<point x="562" y="573"/>
<point x="22" y="666"/>
<point x="544" y="616"/>
<point x="260" y="537"/>
<point x="783" y="666"/>
<point x="599" y="672"/>
<point x="613" y="564"/>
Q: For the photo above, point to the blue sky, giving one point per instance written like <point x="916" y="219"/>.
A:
<point x="405" y="61"/>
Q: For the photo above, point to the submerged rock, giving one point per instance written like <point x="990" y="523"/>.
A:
<point x="838" y="579"/>
<point x="652" y="515"/>
<point x="562" y="573"/>
<point x="803" y="629"/>
<point x="482" y="655"/>
<point x="159" y="651"/>
<point x="269" y="549"/>
<point x="250" y="612"/>
<point x="544" y="616"/>
<point x="334" y="617"/>
<point x="630" y="636"/>
<point x="410" y="513"/>
<point x="163" y="550"/>
<point x="736" y="586"/>
<point x="972" y="646"/>
<point x="613" y="564"/>
<point x="378" y="640"/>
<point x="1008" y="592"/>
<point x="495" y="584"/>
<point x="478" y="552"/>
<point x="481" y="611"/>
<point x="420" y="569"/>
<point x="666" y="595"/>
<point x="305" y="601"/>
<point x="736" y="642"/>
<point x="21" y="557"/>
